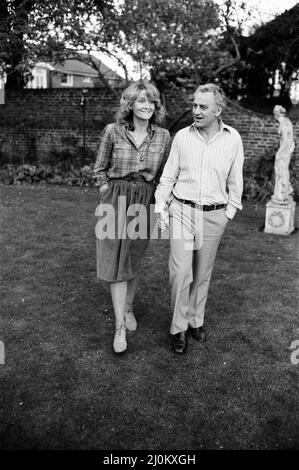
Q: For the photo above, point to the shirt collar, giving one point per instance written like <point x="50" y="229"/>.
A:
<point x="223" y="127"/>
<point x="151" y="128"/>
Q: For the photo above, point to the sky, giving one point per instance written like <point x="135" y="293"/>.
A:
<point x="263" y="10"/>
<point x="266" y="10"/>
<point x="269" y="8"/>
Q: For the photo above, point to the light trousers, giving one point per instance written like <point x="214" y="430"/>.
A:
<point x="194" y="239"/>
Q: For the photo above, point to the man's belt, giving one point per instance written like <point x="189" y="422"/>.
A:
<point x="213" y="207"/>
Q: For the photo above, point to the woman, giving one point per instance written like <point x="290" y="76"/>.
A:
<point x="130" y="160"/>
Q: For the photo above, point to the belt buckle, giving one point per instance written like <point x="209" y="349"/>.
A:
<point x="215" y="207"/>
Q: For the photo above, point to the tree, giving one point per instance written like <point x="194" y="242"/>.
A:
<point x="184" y="43"/>
<point x="234" y="16"/>
<point x="33" y="31"/>
<point x="273" y="46"/>
<point x="78" y="30"/>
<point x="172" y="39"/>
<point x="13" y="28"/>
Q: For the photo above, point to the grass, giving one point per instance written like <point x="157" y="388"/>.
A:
<point x="62" y="387"/>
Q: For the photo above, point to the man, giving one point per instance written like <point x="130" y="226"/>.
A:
<point x="200" y="191"/>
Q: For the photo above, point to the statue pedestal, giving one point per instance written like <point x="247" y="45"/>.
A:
<point x="280" y="218"/>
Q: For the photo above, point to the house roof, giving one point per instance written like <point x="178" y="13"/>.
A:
<point x="76" y="67"/>
<point x="79" y="67"/>
<point x="104" y="69"/>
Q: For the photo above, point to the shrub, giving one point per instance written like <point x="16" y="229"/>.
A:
<point x="57" y="174"/>
<point x="259" y="180"/>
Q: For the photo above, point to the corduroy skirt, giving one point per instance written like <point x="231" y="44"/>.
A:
<point x="125" y="218"/>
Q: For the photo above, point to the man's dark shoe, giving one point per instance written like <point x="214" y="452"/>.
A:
<point x="180" y="342"/>
<point x="198" y="333"/>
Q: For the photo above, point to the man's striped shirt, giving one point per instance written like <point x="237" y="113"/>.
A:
<point x="204" y="172"/>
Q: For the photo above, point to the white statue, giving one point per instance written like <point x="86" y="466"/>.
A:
<point x="283" y="188"/>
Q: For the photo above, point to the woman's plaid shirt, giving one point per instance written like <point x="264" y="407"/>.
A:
<point x="119" y="157"/>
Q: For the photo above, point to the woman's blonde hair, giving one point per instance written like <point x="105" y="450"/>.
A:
<point x="129" y="96"/>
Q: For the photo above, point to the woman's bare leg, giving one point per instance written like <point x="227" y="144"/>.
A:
<point x="130" y="319"/>
<point x="131" y="292"/>
<point x="118" y="293"/>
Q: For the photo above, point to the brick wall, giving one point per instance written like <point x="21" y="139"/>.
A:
<point x="258" y="131"/>
<point x="36" y="123"/>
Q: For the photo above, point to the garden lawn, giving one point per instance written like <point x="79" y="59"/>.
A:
<point x="63" y="387"/>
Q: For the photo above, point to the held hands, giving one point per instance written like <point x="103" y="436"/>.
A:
<point x="163" y="220"/>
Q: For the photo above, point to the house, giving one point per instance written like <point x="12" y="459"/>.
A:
<point x="71" y="73"/>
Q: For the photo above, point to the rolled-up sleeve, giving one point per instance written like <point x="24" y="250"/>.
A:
<point x="103" y="159"/>
<point x="168" y="178"/>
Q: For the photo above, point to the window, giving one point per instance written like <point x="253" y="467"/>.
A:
<point x="39" y="79"/>
<point x="67" y="79"/>
<point x="87" y="79"/>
